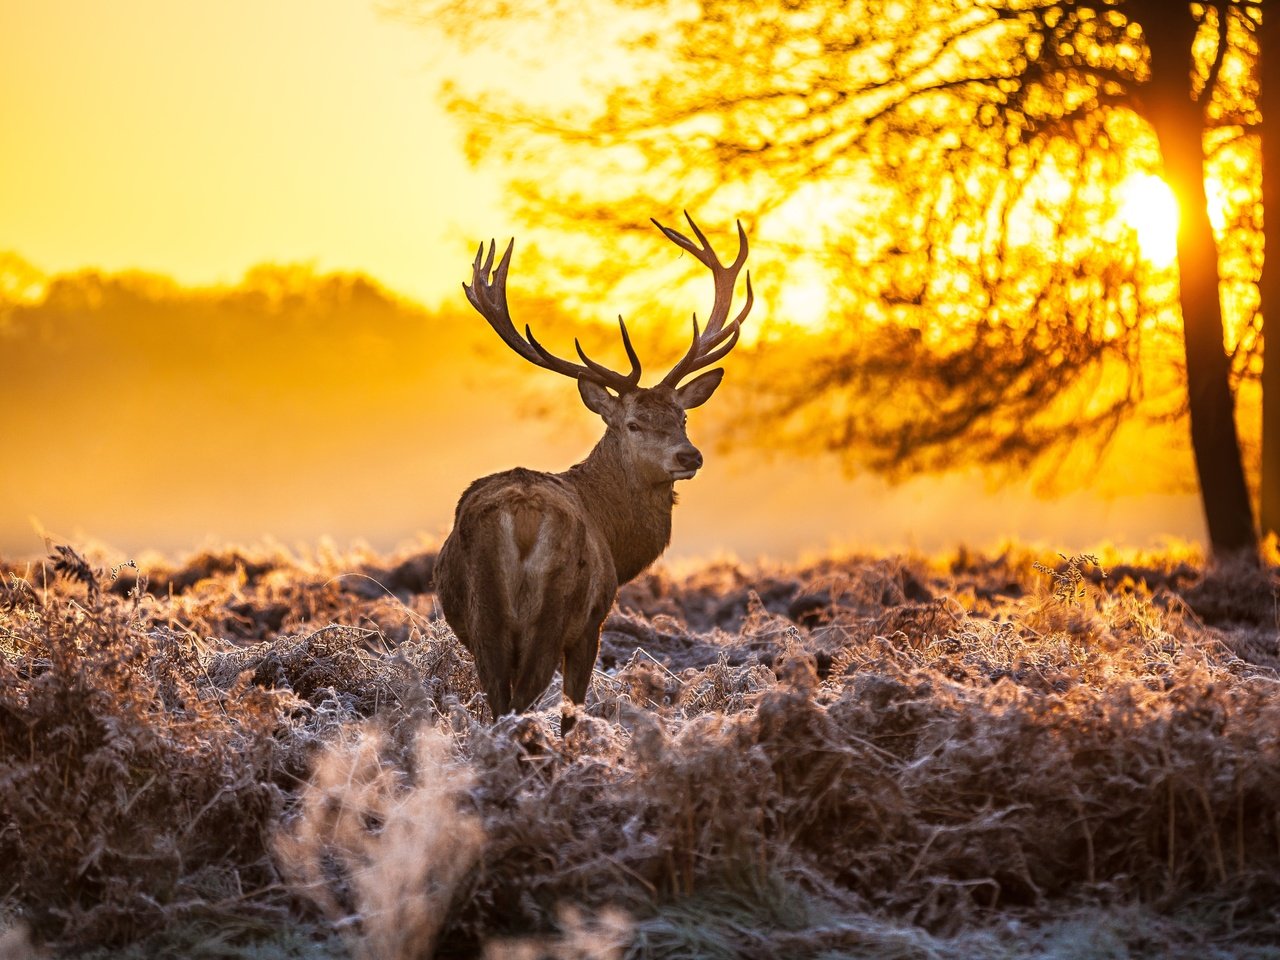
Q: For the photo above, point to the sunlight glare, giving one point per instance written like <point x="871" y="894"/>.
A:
<point x="803" y="299"/>
<point x="1149" y="208"/>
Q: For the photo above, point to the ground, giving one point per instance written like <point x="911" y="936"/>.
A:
<point x="1016" y="754"/>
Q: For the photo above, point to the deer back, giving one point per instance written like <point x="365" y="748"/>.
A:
<point x="524" y="575"/>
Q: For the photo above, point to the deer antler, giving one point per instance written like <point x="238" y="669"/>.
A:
<point x="489" y="297"/>
<point x="712" y="344"/>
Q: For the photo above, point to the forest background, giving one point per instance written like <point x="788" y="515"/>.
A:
<point x="165" y="391"/>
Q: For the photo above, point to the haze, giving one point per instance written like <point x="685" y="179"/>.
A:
<point x="197" y="141"/>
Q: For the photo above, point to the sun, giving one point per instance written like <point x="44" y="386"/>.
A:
<point x="1149" y="208"/>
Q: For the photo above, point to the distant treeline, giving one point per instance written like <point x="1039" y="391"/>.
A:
<point x="282" y="324"/>
<point x="331" y="334"/>
<point x="285" y="404"/>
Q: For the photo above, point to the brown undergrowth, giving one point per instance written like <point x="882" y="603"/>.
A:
<point x="1007" y="755"/>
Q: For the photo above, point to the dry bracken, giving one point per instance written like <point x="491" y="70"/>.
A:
<point x="862" y="756"/>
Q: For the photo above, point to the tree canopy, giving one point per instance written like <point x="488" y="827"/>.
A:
<point x="950" y="173"/>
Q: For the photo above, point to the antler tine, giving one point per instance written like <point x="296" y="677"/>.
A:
<point x="709" y="349"/>
<point x="633" y="378"/>
<point x="489" y="297"/>
<point x="714" y="343"/>
<point x="725" y="277"/>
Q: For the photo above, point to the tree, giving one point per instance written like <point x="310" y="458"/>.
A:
<point x="1178" y="117"/>
<point x="1269" y="283"/>
<point x="994" y="296"/>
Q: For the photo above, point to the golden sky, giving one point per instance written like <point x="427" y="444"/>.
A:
<point x="197" y="139"/>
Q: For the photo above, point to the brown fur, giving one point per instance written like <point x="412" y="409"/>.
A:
<point x="534" y="560"/>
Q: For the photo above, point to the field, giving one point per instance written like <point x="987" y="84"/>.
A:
<point x="258" y="754"/>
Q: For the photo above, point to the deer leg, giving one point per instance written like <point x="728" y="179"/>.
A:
<point x="491" y="658"/>
<point x="536" y="664"/>
<point x="527" y="688"/>
<point x="579" y="662"/>
<point x="498" y="690"/>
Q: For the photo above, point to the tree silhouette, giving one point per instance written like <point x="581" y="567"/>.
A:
<point x="1268" y="69"/>
<point x="994" y="299"/>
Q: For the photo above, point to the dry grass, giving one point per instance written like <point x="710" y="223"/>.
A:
<point x="382" y="854"/>
<point x="254" y="754"/>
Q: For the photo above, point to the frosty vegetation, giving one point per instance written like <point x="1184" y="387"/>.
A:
<point x="254" y="754"/>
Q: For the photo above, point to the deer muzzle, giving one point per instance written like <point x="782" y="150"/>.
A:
<point x="687" y="461"/>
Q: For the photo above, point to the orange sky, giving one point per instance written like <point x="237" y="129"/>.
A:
<point x="199" y="139"/>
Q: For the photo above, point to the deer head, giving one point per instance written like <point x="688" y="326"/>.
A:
<point x="646" y="423"/>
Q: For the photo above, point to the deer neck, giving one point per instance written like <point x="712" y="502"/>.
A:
<point x="633" y="515"/>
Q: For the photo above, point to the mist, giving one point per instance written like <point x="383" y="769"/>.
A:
<point x="295" y="407"/>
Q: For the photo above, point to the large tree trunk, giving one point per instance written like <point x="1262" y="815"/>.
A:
<point x="1269" y="76"/>
<point x="1178" y="121"/>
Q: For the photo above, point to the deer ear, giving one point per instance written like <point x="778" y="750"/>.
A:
<point x="597" y="398"/>
<point x="699" y="390"/>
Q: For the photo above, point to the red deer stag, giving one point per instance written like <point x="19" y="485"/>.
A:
<point x="534" y="560"/>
